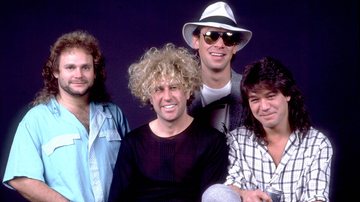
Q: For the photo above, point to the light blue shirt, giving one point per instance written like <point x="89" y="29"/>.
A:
<point x="51" y="145"/>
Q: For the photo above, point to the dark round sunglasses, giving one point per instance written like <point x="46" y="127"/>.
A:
<point x="229" y="38"/>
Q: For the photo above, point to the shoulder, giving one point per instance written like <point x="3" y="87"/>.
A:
<point x="203" y="127"/>
<point x="200" y="130"/>
<point x="138" y="132"/>
<point x="240" y="133"/>
<point x="36" y="118"/>
<point x="141" y="129"/>
<point x="240" y="136"/>
<point x="38" y="111"/>
<point x="317" y="139"/>
<point x="317" y="135"/>
<point x="235" y="76"/>
<point x="109" y="106"/>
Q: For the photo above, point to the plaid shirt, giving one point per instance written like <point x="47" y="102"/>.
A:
<point x="303" y="173"/>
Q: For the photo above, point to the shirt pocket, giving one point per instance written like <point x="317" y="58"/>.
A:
<point x="59" y="141"/>
<point x="112" y="141"/>
<point x="110" y="135"/>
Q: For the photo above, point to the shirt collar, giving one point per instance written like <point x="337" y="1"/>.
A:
<point x="54" y="107"/>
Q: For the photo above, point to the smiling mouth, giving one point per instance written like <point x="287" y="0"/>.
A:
<point x="266" y="115"/>
<point x="217" y="54"/>
<point x="169" y="106"/>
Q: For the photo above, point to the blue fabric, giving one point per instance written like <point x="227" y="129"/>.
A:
<point x="220" y="193"/>
<point x="51" y="145"/>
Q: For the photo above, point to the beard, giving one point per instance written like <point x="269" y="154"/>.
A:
<point x="73" y="92"/>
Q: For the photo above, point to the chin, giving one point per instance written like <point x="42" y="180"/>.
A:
<point x="269" y="125"/>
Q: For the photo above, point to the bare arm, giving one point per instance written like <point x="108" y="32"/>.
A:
<point x="35" y="190"/>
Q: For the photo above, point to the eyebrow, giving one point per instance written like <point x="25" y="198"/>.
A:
<point x="82" y="65"/>
<point x="255" y="93"/>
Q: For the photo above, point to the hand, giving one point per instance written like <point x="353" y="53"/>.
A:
<point x="252" y="195"/>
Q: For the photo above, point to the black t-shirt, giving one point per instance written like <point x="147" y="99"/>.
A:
<point x="180" y="168"/>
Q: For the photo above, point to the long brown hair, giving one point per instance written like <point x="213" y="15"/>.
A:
<point x="269" y="73"/>
<point x="76" y="39"/>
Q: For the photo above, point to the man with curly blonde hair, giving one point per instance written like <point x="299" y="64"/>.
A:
<point x="173" y="157"/>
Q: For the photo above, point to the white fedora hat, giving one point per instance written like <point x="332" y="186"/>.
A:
<point x="217" y="15"/>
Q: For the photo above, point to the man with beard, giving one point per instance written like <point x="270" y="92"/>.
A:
<point x="66" y="145"/>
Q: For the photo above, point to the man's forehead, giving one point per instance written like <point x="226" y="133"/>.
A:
<point x="71" y="50"/>
<point x="261" y="91"/>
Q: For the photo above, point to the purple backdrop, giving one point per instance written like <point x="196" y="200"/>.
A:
<point x="318" y="40"/>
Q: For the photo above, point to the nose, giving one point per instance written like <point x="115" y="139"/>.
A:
<point x="264" y="105"/>
<point x="167" y="94"/>
<point x="220" y="42"/>
<point x="78" y="72"/>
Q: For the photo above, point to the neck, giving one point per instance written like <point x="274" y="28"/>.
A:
<point x="165" y="129"/>
<point x="277" y="140"/>
<point x="78" y="107"/>
<point x="275" y="135"/>
<point x="73" y="103"/>
<point x="216" y="79"/>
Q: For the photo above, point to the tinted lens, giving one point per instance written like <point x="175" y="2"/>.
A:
<point x="229" y="38"/>
<point x="211" y="37"/>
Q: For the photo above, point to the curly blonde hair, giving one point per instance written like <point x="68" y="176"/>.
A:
<point x="170" y="62"/>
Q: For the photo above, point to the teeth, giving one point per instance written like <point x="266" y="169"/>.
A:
<point x="217" y="54"/>
<point x="169" y="106"/>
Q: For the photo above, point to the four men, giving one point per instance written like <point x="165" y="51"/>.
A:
<point x="66" y="146"/>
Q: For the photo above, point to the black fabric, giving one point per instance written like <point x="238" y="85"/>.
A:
<point x="150" y="168"/>
<point x="233" y="100"/>
<point x="219" y="19"/>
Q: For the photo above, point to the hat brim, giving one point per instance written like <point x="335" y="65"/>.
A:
<point x="189" y="28"/>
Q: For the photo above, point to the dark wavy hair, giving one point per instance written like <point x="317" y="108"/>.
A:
<point x="77" y="39"/>
<point x="271" y="74"/>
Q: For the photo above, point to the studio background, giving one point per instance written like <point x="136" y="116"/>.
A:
<point x="317" y="40"/>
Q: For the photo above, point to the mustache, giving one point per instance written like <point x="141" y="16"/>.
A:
<point x="78" y="81"/>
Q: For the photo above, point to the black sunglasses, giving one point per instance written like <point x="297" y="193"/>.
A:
<point x="229" y="38"/>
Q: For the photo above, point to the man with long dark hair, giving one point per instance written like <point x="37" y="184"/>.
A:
<point x="66" y="146"/>
<point x="276" y="153"/>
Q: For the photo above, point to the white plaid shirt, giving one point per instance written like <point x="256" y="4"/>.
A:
<point x="303" y="173"/>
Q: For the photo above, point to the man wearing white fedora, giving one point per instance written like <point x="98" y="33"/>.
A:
<point x="217" y="38"/>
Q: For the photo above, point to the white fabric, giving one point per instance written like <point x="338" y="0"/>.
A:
<point x="210" y="95"/>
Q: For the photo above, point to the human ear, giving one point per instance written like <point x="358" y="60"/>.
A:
<point x="235" y="49"/>
<point x="187" y="95"/>
<point x="56" y="74"/>
<point x="195" y="41"/>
